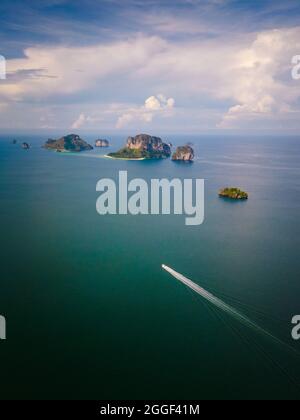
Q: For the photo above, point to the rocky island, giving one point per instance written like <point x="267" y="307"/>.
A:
<point x="25" y="146"/>
<point x="233" y="193"/>
<point x="143" y="147"/>
<point x="69" y="143"/>
<point x="101" y="143"/>
<point x="183" y="154"/>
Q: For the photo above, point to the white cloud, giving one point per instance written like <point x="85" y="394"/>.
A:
<point x="79" y="122"/>
<point x="154" y="105"/>
<point x="244" y="79"/>
<point x="262" y="84"/>
<point x="68" y="70"/>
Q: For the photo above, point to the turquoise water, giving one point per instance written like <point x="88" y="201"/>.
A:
<point x="91" y="314"/>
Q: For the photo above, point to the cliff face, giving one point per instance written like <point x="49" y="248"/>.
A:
<point x="70" y="143"/>
<point x="150" y="144"/>
<point x="102" y="143"/>
<point x="143" y="146"/>
<point x="183" y="153"/>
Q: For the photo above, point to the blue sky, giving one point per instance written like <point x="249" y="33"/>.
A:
<point x="133" y="65"/>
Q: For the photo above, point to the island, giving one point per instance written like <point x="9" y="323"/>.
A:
<point x="25" y="146"/>
<point x="233" y="193"/>
<point x="101" y="143"/>
<point x="183" y="154"/>
<point x="141" y="147"/>
<point x="69" y="143"/>
<point x="14" y="141"/>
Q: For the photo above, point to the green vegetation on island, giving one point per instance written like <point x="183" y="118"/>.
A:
<point x="126" y="153"/>
<point x="143" y="146"/>
<point x="233" y="193"/>
<point x="69" y="143"/>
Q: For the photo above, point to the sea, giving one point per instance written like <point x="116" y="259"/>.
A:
<point x="90" y="314"/>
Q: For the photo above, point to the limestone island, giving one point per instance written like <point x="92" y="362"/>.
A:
<point x="183" y="154"/>
<point x="233" y="193"/>
<point x="25" y="146"/>
<point x="143" y="147"/>
<point x="101" y="143"/>
<point x="69" y="143"/>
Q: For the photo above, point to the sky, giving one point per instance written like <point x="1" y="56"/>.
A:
<point x="185" y="66"/>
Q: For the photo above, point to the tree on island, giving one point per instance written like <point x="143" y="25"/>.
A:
<point x="233" y="193"/>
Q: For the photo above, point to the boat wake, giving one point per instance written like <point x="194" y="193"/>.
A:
<point x="225" y="307"/>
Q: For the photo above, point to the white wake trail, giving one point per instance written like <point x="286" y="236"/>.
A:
<point x="223" y="306"/>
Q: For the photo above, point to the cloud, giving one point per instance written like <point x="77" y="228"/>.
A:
<point x="154" y="105"/>
<point x="81" y="120"/>
<point x="262" y="84"/>
<point x="69" y="70"/>
<point x="239" y="81"/>
<point x="168" y="24"/>
<point x="124" y="113"/>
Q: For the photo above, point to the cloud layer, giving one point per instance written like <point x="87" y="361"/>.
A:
<point x="223" y="81"/>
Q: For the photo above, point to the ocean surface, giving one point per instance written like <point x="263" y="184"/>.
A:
<point x="91" y="314"/>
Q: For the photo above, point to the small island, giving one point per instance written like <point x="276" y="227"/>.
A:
<point x="69" y="143"/>
<point x="25" y="146"/>
<point x="143" y="147"/>
<point x="101" y="143"/>
<point x="233" y="193"/>
<point x="183" y="154"/>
